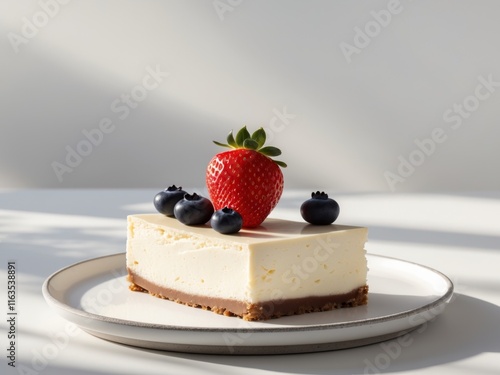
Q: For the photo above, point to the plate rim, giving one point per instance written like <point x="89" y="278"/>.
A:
<point x="56" y="303"/>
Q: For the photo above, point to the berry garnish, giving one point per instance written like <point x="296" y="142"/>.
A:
<point x="165" y="200"/>
<point x="319" y="209"/>
<point x="193" y="209"/>
<point x="245" y="178"/>
<point x="226" y="221"/>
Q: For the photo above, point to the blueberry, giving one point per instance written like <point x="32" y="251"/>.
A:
<point x="319" y="209"/>
<point x="226" y="221"/>
<point x="193" y="209"/>
<point x="165" y="200"/>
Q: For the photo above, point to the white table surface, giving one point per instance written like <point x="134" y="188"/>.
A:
<point x="457" y="234"/>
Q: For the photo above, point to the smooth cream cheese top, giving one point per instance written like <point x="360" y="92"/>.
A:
<point x="270" y="230"/>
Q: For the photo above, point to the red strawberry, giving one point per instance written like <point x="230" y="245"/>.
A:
<point x="245" y="178"/>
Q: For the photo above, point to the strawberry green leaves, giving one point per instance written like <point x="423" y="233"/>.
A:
<point x="250" y="144"/>
<point x="259" y="136"/>
<point x="253" y="141"/>
<point x="242" y="135"/>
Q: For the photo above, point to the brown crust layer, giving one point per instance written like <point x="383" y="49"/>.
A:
<point x="251" y="311"/>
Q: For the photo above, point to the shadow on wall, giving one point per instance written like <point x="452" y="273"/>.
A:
<point x="102" y="133"/>
<point x="358" y="120"/>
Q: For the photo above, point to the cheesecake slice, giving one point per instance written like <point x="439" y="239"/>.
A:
<point x="280" y="268"/>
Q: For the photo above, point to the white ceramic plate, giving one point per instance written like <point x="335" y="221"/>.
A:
<point x="94" y="295"/>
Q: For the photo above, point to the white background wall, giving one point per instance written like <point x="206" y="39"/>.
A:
<point x="360" y="103"/>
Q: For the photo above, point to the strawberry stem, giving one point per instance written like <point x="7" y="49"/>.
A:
<point x="254" y="142"/>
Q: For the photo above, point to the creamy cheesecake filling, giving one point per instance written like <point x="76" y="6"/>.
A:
<point x="280" y="261"/>
<point x="193" y="271"/>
